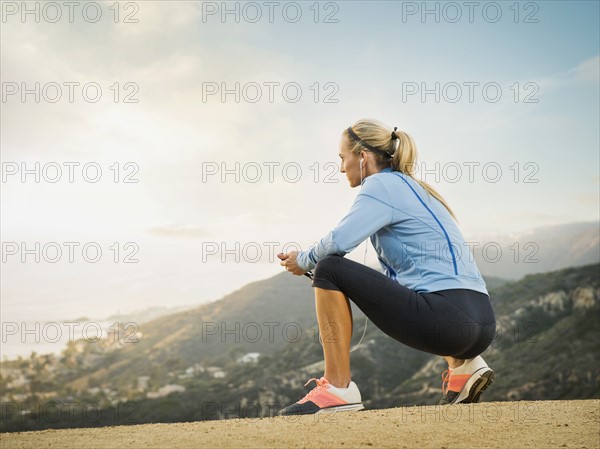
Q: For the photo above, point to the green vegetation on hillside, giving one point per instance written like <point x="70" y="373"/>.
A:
<point x="189" y="366"/>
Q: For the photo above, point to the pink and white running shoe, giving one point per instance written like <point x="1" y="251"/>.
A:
<point x="326" y="398"/>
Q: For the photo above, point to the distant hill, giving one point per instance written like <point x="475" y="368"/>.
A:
<point x="261" y="317"/>
<point x="547" y="341"/>
<point x="145" y="315"/>
<point x="538" y="250"/>
<point x="546" y="347"/>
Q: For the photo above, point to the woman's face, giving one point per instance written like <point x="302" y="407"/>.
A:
<point x="350" y="163"/>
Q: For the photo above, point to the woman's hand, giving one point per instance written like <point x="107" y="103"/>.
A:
<point x="288" y="261"/>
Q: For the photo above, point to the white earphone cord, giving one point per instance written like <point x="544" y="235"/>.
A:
<point x="364" y="263"/>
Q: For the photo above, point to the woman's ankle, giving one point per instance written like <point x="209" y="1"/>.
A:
<point x="455" y="366"/>
<point x="338" y="382"/>
<point x="454" y="363"/>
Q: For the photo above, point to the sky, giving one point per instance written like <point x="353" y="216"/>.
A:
<point x="216" y="136"/>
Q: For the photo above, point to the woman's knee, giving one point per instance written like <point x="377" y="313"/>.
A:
<point x="327" y="265"/>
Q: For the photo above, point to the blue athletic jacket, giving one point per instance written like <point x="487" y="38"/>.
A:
<point x="417" y="241"/>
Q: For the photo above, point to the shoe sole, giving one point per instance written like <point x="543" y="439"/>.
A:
<point x="476" y="385"/>
<point x="342" y="408"/>
<point x="333" y="409"/>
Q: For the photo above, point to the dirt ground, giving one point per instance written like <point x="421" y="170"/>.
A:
<point x="522" y="424"/>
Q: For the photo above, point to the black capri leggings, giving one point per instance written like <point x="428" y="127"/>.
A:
<point x="455" y="322"/>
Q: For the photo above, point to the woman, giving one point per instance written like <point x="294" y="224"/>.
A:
<point x="431" y="296"/>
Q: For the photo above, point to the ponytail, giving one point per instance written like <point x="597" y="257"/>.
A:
<point x="404" y="160"/>
<point x="403" y="154"/>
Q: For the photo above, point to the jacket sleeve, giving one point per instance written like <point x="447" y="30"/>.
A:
<point x="371" y="211"/>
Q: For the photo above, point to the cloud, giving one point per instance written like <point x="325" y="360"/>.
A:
<point x="180" y="231"/>
<point x="588" y="70"/>
<point x="504" y="111"/>
<point x="588" y="199"/>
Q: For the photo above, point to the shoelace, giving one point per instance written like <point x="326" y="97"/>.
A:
<point x="445" y="380"/>
<point x="321" y="383"/>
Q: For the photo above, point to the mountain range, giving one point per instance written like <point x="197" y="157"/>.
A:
<point x="546" y="347"/>
<point x="538" y="250"/>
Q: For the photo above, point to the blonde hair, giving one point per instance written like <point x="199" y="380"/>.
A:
<point x="404" y="152"/>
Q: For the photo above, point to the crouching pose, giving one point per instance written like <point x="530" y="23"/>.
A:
<point x="430" y="296"/>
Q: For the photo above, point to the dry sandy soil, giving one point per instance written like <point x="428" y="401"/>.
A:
<point x="522" y="424"/>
